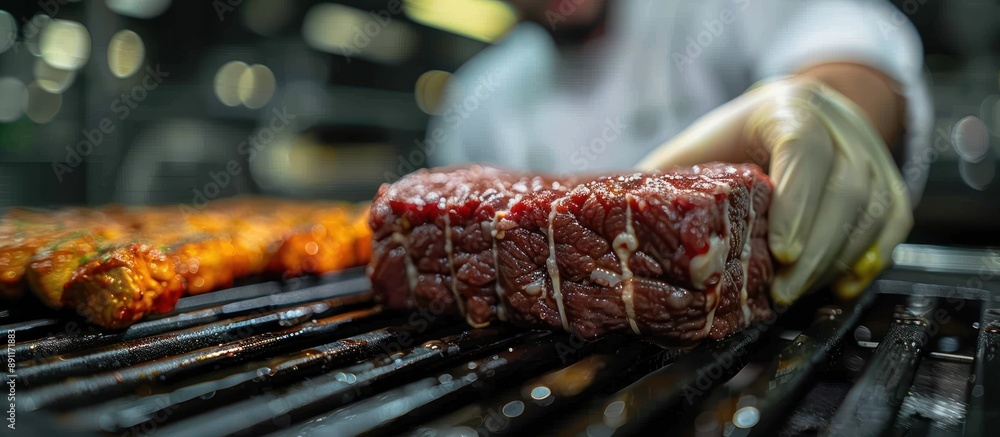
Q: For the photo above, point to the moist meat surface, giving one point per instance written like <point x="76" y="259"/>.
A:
<point x="680" y="255"/>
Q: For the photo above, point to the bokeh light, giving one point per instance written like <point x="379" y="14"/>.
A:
<point x="483" y="20"/>
<point x="971" y="138"/>
<point x="978" y="175"/>
<point x="227" y="82"/>
<point x="989" y="112"/>
<point x="138" y="8"/>
<point x="429" y="90"/>
<point x="51" y="79"/>
<point x="32" y="32"/>
<point x="354" y="33"/>
<point x="125" y="53"/>
<point x="39" y="105"/>
<point x="256" y="86"/>
<point x="746" y="417"/>
<point x="65" y="44"/>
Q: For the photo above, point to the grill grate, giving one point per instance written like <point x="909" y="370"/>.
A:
<point x="318" y="357"/>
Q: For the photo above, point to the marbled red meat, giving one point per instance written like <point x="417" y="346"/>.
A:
<point x="681" y="255"/>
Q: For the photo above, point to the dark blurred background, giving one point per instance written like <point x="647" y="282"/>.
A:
<point x="175" y="101"/>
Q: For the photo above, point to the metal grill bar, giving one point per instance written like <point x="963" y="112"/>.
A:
<point x="322" y="393"/>
<point x="151" y="348"/>
<point x="671" y="394"/>
<point x="533" y="405"/>
<point x="229" y="386"/>
<point x="61" y="344"/>
<point x="348" y="278"/>
<point x="392" y="411"/>
<point x="654" y="398"/>
<point x="791" y="373"/>
<point x="872" y="404"/>
<point x="125" y="379"/>
<point x="939" y="259"/>
<point x="21" y="329"/>
<point x="984" y="405"/>
<point x="937" y="397"/>
<point x="238" y="307"/>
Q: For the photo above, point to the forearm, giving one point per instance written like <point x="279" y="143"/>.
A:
<point x="871" y="90"/>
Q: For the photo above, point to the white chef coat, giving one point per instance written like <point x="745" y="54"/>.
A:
<point x="661" y="64"/>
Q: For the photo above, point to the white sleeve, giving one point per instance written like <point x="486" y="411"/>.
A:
<point x="451" y="138"/>
<point x="480" y="119"/>
<point x="797" y="34"/>
<point x="465" y="128"/>
<point x="470" y="123"/>
<point x="443" y="141"/>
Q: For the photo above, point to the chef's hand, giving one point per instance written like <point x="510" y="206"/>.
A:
<point x="839" y="205"/>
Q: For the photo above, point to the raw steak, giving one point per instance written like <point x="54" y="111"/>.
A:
<point x="681" y="256"/>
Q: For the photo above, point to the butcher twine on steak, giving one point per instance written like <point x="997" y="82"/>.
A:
<point x="680" y="256"/>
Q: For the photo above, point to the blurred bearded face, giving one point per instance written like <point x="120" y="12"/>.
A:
<point x="569" y="21"/>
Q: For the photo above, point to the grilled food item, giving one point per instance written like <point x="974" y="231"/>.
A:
<point x="115" y="265"/>
<point x="123" y="284"/>
<point x="326" y="242"/>
<point x="205" y="261"/>
<point x="15" y="253"/>
<point x="256" y="239"/>
<point x="362" y="236"/>
<point x="681" y="256"/>
<point x="52" y="266"/>
<point x="26" y="232"/>
<point x="22" y="233"/>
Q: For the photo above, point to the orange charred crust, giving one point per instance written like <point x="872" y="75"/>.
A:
<point x="123" y="284"/>
<point x="362" y="236"/>
<point x="327" y="245"/>
<point x="115" y="265"/>
<point x="13" y="262"/>
<point x="205" y="263"/>
<point x="52" y="267"/>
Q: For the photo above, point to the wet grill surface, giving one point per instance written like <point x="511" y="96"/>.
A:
<point x="915" y="355"/>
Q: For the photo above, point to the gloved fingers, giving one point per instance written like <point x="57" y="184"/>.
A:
<point x="802" y="153"/>
<point x="845" y="193"/>
<point x="887" y="218"/>
<point x="871" y="219"/>
<point x="898" y="222"/>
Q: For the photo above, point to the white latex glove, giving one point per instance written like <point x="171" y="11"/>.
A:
<point x="839" y="205"/>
